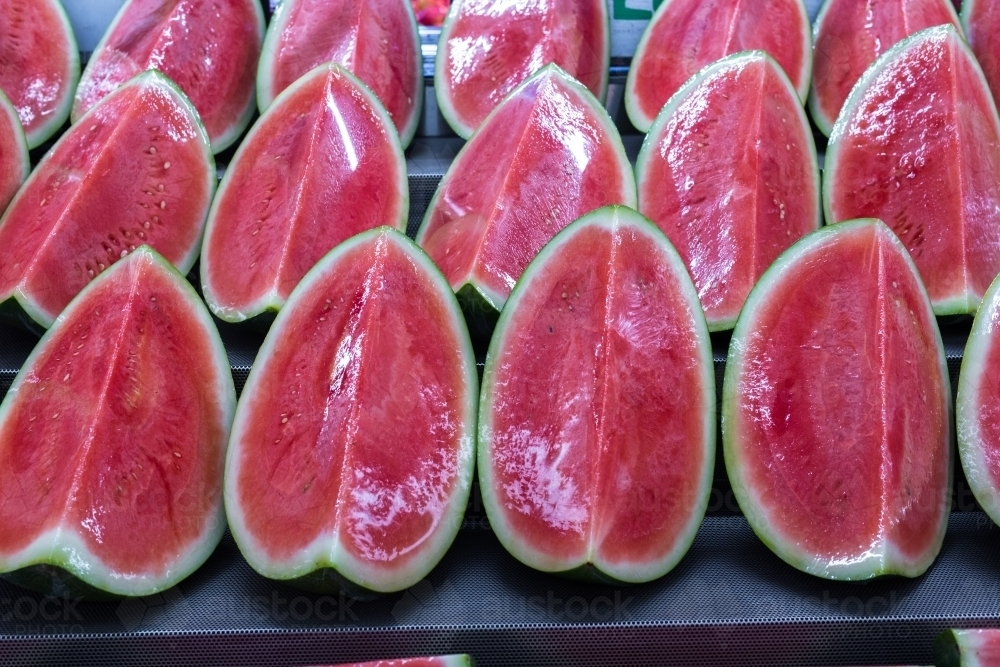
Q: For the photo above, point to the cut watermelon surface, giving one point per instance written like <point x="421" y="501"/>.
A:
<point x="850" y="35"/>
<point x="597" y="419"/>
<point x="443" y="661"/>
<point x="375" y="40"/>
<point x="836" y="408"/>
<point x="547" y="155"/>
<point x="208" y="48"/>
<point x="352" y="452"/>
<point x="728" y="171"/>
<point x="137" y="169"/>
<point x="967" y="648"/>
<point x="686" y="35"/>
<point x="981" y="20"/>
<point x="488" y="48"/>
<point x="39" y="64"/>
<point x="113" y="438"/>
<point x="14" y="160"/>
<point x="917" y="145"/>
<point x="323" y="164"/>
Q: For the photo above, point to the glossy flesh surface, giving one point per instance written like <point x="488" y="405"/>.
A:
<point x="39" y="64"/>
<point x="113" y="436"/>
<point x="981" y="21"/>
<point x="686" y="35"/>
<point x="323" y="164"/>
<point x="918" y="146"/>
<point x="353" y="443"/>
<point x="375" y="40"/>
<point x="597" y="430"/>
<point x="836" y="408"/>
<point x="489" y="47"/>
<point x="851" y="35"/>
<point x="209" y="48"/>
<point x="728" y="172"/>
<point x="546" y="156"/>
<point x="14" y="160"/>
<point x="134" y="171"/>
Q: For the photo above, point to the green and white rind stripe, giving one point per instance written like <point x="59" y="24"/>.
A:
<point x="44" y="132"/>
<point x="23" y="158"/>
<point x="272" y="301"/>
<point x="643" y="123"/>
<point x="962" y="648"/>
<point x="443" y="90"/>
<point x="753" y="507"/>
<point x="598" y="113"/>
<point x="612" y="218"/>
<point x="150" y="78"/>
<point x="326" y="551"/>
<point x="62" y="546"/>
<point x="966" y="302"/>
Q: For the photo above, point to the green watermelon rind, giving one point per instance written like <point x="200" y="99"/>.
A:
<point x="481" y="298"/>
<point x="443" y="91"/>
<point x="959" y="648"/>
<point x="823" y="122"/>
<point x="272" y="302"/>
<point x="754" y="512"/>
<point x="652" y="138"/>
<point x="312" y="561"/>
<point x="613" y="217"/>
<point x="643" y="123"/>
<point x="239" y="125"/>
<point x="150" y="77"/>
<point x="74" y="557"/>
<point x="268" y="55"/>
<point x="966" y="303"/>
<point x="23" y="158"/>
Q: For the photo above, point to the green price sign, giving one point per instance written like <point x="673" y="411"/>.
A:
<point x="634" y="10"/>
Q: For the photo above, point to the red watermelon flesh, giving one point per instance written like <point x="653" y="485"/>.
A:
<point x="135" y="170"/>
<point x="353" y="445"/>
<point x="686" y="35"/>
<point x="376" y="40"/>
<point x="918" y="146"/>
<point x="968" y="648"/>
<point x="323" y="164"/>
<point x="443" y="661"/>
<point x="209" y="48"/>
<point x="489" y="47"/>
<point x="113" y="436"/>
<point x="14" y="160"/>
<point x="597" y="429"/>
<point x="39" y="64"/>
<point x="851" y="35"/>
<point x="982" y="28"/>
<point x="547" y="155"/>
<point x="731" y="200"/>
<point x="835" y="411"/>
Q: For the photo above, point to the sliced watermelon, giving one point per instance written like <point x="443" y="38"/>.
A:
<point x="377" y="40"/>
<point x="597" y="416"/>
<point x="135" y="170"/>
<point x="353" y="448"/>
<point x="981" y="20"/>
<point x="967" y="648"/>
<point x="850" y="35"/>
<point x="14" y="160"/>
<point x="209" y="48"/>
<point x="730" y="210"/>
<point x="547" y="155"/>
<point x="836" y="408"/>
<point x="113" y="438"/>
<point x="686" y="35"/>
<point x="918" y="146"/>
<point x="39" y="64"/>
<point x="488" y="48"/>
<point x="323" y="164"/>
<point x="443" y="661"/>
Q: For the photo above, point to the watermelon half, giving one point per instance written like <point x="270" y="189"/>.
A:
<point x="209" y="49"/>
<point x="686" y="35"/>
<point x="15" y="163"/>
<point x="981" y="20"/>
<point x="967" y="648"/>
<point x="731" y="200"/>
<point x="849" y="36"/>
<point x="597" y="416"/>
<point x="113" y="439"/>
<point x="836" y="408"/>
<point x="321" y="165"/>
<point x="488" y="48"/>
<point x="39" y="65"/>
<point x="137" y="169"/>
<point x="352" y="452"/>
<point x="546" y="155"/>
<point x="377" y="40"/>
<point x="917" y="145"/>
